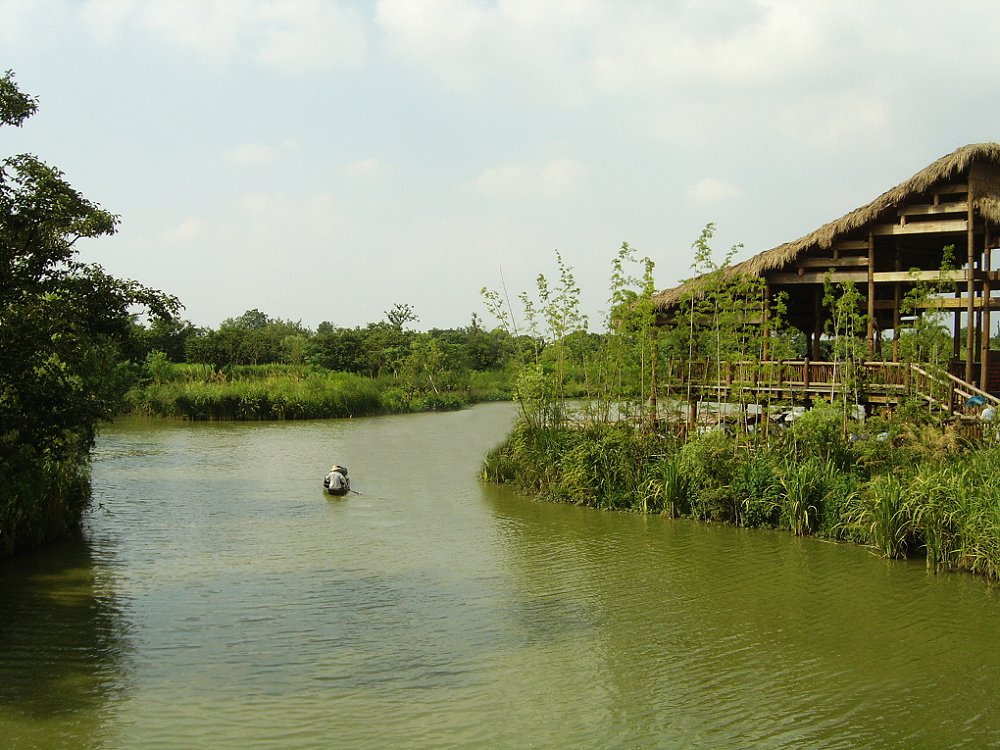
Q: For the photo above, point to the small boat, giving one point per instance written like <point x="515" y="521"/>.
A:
<point x="336" y="482"/>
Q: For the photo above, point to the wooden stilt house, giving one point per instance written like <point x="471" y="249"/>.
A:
<point x="892" y="244"/>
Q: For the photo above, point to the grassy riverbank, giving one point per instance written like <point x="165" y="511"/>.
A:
<point x="904" y="487"/>
<point x="276" y="392"/>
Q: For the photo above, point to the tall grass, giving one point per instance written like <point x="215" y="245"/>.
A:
<point x="806" y="485"/>
<point x="878" y="516"/>
<point x="603" y="466"/>
<point x="263" y="397"/>
<point x="891" y="493"/>
<point x="42" y="493"/>
<point x="278" y="392"/>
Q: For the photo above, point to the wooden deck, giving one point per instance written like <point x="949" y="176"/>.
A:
<point x="802" y="381"/>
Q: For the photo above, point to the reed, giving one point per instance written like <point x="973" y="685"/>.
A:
<point x="898" y="498"/>
<point x="805" y="488"/>
<point x="877" y="516"/>
<point x="674" y="488"/>
<point x="757" y="483"/>
<point x="707" y="462"/>
<point x="269" y="397"/>
<point x="601" y="466"/>
<point x="42" y="494"/>
<point x="278" y="392"/>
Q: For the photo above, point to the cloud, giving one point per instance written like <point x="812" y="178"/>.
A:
<point x="512" y="47"/>
<point x="366" y="168"/>
<point x="556" y="178"/>
<point x="291" y="36"/>
<point x="257" y="154"/>
<point x="850" y="116"/>
<point x="268" y="216"/>
<point x="750" y="44"/>
<point x="713" y="190"/>
<point x="105" y="19"/>
<point x="298" y="35"/>
<point x="189" y="230"/>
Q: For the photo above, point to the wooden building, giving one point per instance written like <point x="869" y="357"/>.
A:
<point x="891" y="244"/>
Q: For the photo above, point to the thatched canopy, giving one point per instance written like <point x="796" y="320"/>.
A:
<point x="982" y="188"/>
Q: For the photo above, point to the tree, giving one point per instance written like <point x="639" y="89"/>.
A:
<point x="64" y="327"/>
<point x="400" y="315"/>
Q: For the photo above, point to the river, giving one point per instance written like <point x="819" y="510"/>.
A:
<point x="217" y="599"/>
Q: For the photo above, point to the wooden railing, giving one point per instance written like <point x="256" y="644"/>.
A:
<point x="873" y="382"/>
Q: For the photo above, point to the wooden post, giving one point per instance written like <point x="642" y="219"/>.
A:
<point x="654" y="417"/>
<point x="897" y="301"/>
<point x="984" y="357"/>
<point x="957" y="344"/>
<point x="766" y="348"/>
<point x="817" y="324"/>
<point x="970" y="309"/>
<point x="871" y="294"/>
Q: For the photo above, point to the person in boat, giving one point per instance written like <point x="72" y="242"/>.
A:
<point x="336" y="481"/>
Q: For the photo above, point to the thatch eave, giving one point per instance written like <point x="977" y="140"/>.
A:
<point x="941" y="171"/>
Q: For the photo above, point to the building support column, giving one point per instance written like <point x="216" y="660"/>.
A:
<point x="817" y="324"/>
<point x="654" y="421"/>
<point x="970" y="303"/>
<point x="957" y="332"/>
<point x="766" y="320"/>
<point x="871" y="295"/>
<point x="984" y="356"/>
<point x="897" y="300"/>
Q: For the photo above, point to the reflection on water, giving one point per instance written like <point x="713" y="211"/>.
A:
<point x="64" y="650"/>
<point x="221" y="600"/>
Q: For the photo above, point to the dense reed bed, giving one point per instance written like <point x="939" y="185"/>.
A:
<point x="902" y="487"/>
<point x="278" y="392"/>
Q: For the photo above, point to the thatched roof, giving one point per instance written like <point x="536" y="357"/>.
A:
<point x="943" y="170"/>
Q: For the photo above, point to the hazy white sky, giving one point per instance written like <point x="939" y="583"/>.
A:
<point x="325" y="159"/>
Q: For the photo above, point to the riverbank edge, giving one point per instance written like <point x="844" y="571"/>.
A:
<point x="298" y="395"/>
<point x="903" y="487"/>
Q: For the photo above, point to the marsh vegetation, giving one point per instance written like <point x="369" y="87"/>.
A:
<point x="906" y="480"/>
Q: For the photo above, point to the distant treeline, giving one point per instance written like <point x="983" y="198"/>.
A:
<point x="258" y="367"/>
<point x="379" y="348"/>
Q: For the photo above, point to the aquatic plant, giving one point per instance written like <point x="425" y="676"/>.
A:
<point x="707" y="462"/>
<point x="877" y="516"/>
<point x="674" y="497"/>
<point x="757" y="484"/>
<point x="805" y="487"/>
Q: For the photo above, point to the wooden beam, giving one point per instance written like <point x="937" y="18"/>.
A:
<point x="951" y="188"/>
<point x="941" y="303"/>
<point x="915" y="276"/>
<point x="958" y="207"/>
<point x="851" y="246"/>
<point x="824" y="263"/>
<point x="923" y="227"/>
<point x="816" y="278"/>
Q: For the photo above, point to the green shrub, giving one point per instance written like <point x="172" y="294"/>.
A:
<point x="756" y="484"/>
<point x="707" y="462"/>
<point x="805" y="486"/>
<point x="819" y="433"/>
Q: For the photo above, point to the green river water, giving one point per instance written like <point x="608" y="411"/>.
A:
<point x="218" y="599"/>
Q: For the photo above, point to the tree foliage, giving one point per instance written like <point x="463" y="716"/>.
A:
<point x="65" y="331"/>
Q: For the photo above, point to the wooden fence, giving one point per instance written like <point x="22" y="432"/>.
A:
<point x="806" y="380"/>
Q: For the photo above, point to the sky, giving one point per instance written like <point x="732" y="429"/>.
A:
<point x="325" y="160"/>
